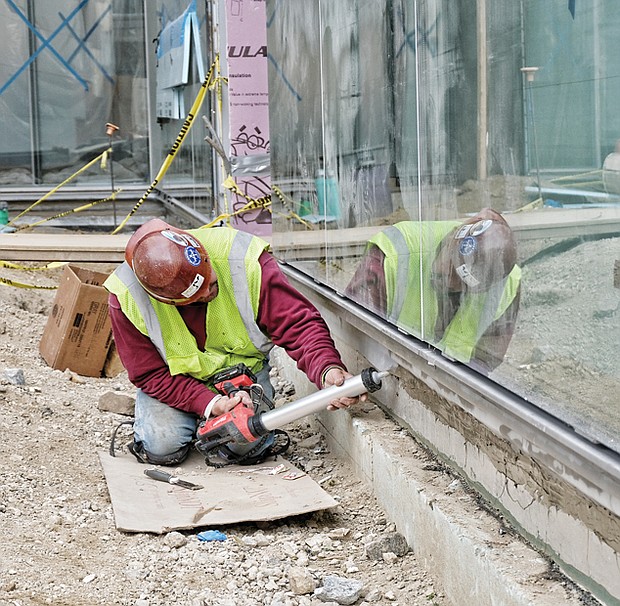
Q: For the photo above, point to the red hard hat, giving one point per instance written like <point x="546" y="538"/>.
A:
<point x="170" y="264"/>
<point x="483" y="250"/>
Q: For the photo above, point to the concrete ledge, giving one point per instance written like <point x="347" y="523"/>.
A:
<point x="554" y="488"/>
<point x="469" y="552"/>
<point x="477" y="560"/>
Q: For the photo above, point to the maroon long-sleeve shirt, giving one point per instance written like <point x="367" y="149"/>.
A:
<point x="288" y="318"/>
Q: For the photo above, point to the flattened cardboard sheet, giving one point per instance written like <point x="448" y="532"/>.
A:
<point x="229" y="495"/>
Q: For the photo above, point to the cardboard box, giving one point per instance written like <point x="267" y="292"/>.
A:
<point x="78" y="333"/>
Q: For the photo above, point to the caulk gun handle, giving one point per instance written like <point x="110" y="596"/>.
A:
<point x="230" y="389"/>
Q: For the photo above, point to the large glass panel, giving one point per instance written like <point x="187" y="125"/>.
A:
<point x="181" y="50"/>
<point x="332" y="138"/>
<point x="68" y="69"/>
<point x="565" y="355"/>
<point x="454" y="168"/>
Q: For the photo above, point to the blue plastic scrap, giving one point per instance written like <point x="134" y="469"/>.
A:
<point x="211" y="535"/>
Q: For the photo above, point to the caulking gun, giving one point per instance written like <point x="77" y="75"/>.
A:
<point x="243" y="425"/>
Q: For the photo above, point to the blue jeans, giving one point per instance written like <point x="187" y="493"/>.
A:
<point x="165" y="433"/>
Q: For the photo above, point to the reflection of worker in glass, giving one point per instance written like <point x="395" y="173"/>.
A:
<point x="455" y="285"/>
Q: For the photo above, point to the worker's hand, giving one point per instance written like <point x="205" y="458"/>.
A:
<point x="337" y="376"/>
<point x="224" y="404"/>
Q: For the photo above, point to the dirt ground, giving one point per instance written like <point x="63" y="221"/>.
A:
<point x="59" y="542"/>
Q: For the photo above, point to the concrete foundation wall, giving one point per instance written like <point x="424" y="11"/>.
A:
<point x="471" y="553"/>
<point x="447" y="522"/>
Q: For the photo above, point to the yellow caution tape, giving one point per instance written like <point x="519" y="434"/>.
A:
<point x="531" y="206"/>
<point x="576" y="177"/>
<point x="249" y="206"/>
<point x="187" y="124"/>
<point x="578" y="184"/>
<point x="67" y="180"/>
<point x="8" y="282"/>
<point x="291" y="213"/>
<point x="52" y="265"/>
<point x="69" y="212"/>
<point x="253" y="203"/>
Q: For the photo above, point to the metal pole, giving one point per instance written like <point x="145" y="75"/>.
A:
<point x="110" y="129"/>
<point x="36" y="154"/>
<point x="481" y="34"/>
<point x="530" y="72"/>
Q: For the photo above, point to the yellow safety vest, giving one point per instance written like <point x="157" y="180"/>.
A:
<point x="233" y="336"/>
<point x="410" y="249"/>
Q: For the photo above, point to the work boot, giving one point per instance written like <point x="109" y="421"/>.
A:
<point x="175" y="458"/>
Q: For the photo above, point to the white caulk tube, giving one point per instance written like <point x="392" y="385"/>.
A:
<point x="368" y="380"/>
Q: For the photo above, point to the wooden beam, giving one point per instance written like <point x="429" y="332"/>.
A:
<point x="304" y="245"/>
<point x="87" y="248"/>
<point x="321" y="243"/>
<point x="534" y="225"/>
<point x="565" y="222"/>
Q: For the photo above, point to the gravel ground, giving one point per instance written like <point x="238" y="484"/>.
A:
<point x="59" y="542"/>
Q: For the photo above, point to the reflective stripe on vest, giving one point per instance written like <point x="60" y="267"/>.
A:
<point x="238" y="271"/>
<point x="473" y="318"/>
<point x="402" y="272"/>
<point x="128" y="278"/>
<point x="409" y="249"/>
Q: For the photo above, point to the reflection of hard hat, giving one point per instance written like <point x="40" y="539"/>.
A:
<point x="483" y="250"/>
<point x="170" y="264"/>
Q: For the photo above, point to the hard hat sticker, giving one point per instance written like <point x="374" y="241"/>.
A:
<point x="466" y="276"/>
<point x="194" y="287"/>
<point x="462" y="232"/>
<point x="174" y="237"/>
<point x="468" y="246"/>
<point x="191" y="240"/>
<point x="480" y="227"/>
<point x="193" y="256"/>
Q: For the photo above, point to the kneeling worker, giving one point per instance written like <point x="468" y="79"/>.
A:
<point x="187" y="304"/>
